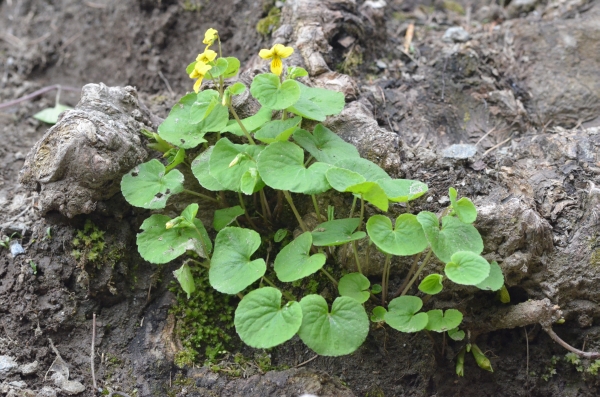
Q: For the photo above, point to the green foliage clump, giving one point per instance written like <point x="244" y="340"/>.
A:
<point x="269" y="23"/>
<point x="89" y="244"/>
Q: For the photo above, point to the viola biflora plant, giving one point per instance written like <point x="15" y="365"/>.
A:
<point x="273" y="159"/>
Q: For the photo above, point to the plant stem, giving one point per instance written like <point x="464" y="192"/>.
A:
<point x="385" y="278"/>
<point x="288" y="197"/>
<point x="285" y="293"/>
<point x="263" y="199"/>
<point x="308" y="160"/>
<point x="419" y="270"/>
<point x="355" y="250"/>
<point x="204" y="196"/>
<point x="244" y="130"/>
<point x="316" y="205"/>
<point x="246" y="211"/>
<point x="412" y="270"/>
<point x="283" y="115"/>
<point x="204" y="265"/>
<point x="329" y="276"/>
<point x="352" y="208"/>
<point x="362" y="212"/>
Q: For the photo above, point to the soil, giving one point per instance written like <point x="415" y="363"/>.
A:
<point x="529" y="74"/>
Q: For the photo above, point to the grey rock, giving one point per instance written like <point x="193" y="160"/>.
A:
<point x="381" y="65"/>
<point x="456" y="34"/>
<point x="16" y="249"/>
<point x="70" y="387"/>
<point x="28" y="369"/>
<point x="517" y="7"/>
<point x="46" y="392"/>
<point x="7" y="366"/>
<point x="19" y="384"/>
<point x="460" y="151"/>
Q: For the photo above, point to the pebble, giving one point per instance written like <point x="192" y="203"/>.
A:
<point x="19" y="384"/>
<point x="16" y="249"/>
<point x="70" y="387"/>
<point x="381" y="65"/>
<point x="456" y="34"/>
<point x="460" y="151"/>
<point x="28" y="369"/>
<point x="7" y="366"/>
<point x="46" y="392"/>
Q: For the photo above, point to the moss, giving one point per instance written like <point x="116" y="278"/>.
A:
<point x="89" y="245"/>
<point x="453" y="6"/>
<point x="191" y="5"/>
<point x="352" y="60"/>
<point x="269" y="23"/>
<point x="595" y="258"/>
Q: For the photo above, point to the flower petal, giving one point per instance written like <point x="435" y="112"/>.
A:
<point x="194" y="74"/>
<point x="276" y="66"/>
<point x="197" y="84"/>
<point x="201" y="68"/>
<point x="266" y="54"/>
<point x="207" y="56"/>
<point x="282" y="51"/>
<point x="210" y="36"/>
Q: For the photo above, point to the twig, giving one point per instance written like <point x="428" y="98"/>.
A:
<point x="485" y="135"/>
<point x="164" y="79"/>
<point x="306" y="362"/>
<point x="410" y="32"/>
<point x="37" y="93"/>
<point x="93" y="349"/>
<point x="556" y="338"/>
<point x="496" y="146"/>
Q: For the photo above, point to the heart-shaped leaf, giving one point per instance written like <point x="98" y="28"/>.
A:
<point x="378" y="315"/>
<point x="219" y="67"/>
<point x="456" y="334"/>
<point x="295" y="262"/>
<point x="281" y="166"/>
<point x="293" y="72"/>
<point x="233" y="67"/>
<point x="344" y="180"/>
<point x="337" y="232"/>
<point x="277" y="130"/>
<point x="50" y="115"/>
<point x="467" y="268"/>
<point x="494" y="281"/>
<point x="368" y="169"/>
<point x="200" y="169"/>
<point x="334" y="333"/>
<point x="453" y="237"/>
<point x="236" y="88"/>
<point x="149" y="186"/>
<point x="229" y="162"/>
<point x="341" y="179"/>
<point x="324" y="145"/>
<point x="402" y="314"/>
<point x="251" y="182"/>
<point x="356" y="286"/>
<point x="402" y="190"/>
<point x="226" y="216"/>
<point x="443" y="321"/>
<point x="251" y="123"/>
<point x="372" y="193"/>
<point x="432" y="284"/>
<point x="317" y="103"/>
<point x="186" y="279"/>
<point x="157" y="244"/>
<point x="261" y="322"/>
<point x="406" y="238"/>
<point x="231" y="269"/>
<point x="464" y="208"/>
<point x="271" y="93"/>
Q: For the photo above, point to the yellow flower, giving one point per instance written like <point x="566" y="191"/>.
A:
<point x="207" y="56"/>
<point x="198" y="73"/>
<point x="276" y="53"/>
<point x="210" y="36"/>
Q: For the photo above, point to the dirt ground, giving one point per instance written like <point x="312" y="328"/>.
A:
<point x="525" y="87"/>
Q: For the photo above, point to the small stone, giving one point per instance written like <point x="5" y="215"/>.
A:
<point x="460" y="151"/>
<point x="7" y="366"/>
<point x="456" y="34"/>
<point x="46" y="392"/>
<point x="16" y="249"/>
<point x="71" y="387"/>
<point x="28" y="369"/>
<point x="19" y="384"/>
<point x="444" y="200"/>
<point x="381" y="65"/>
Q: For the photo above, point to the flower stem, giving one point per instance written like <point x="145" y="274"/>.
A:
<point x="246" y="211"/>
<point x="355" y="250"/>
<point x="352" y="208"/>
<point x="289" y="296"/>
<point x="419" y="270"/>
<point x="412" y="270"/>
<point x="362" y="212"/>
<point x="244" y="130"/>
<point x="316" y="205"/>
<point x="329" y="276"/>
<point x="204" y="196"/>
<point x="288" y="197"/>
<point x="385" y="278"/>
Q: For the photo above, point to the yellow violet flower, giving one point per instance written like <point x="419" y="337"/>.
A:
<point x="276" y="53"/>
<point x="198" y="73"/>
<point x="210" y="36"/>
<point x="207" y="56"/>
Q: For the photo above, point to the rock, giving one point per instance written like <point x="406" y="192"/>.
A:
<point x="28" y="369"/>
<point x="7" y="366"/>
<point x="16" y="249"/>
<point x="518" y="7"/>
<point x="456" y="34"/>
<point x="71" y="387"/>
<point x="19" y="384"/>
<point x="460" y="151"/>
<point x="381" y="65"/>
<point x="46" y="392"/>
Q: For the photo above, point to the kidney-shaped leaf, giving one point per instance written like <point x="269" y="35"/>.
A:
<point x="324" y="145"/>
<point x="271" y="93"/>
<point x="356" y="286"/>
<point x="494" y="281"/>
<point x="281" y="166"/>
<point x="464" y="208"/>
<point x="336" y="232"/>
<point x="443" y="321"/>
<point x="224" y="217"/>
<point x="317" y="103"/>
<point x="406" y="238"/>
<point x="453" y="237"/>
<point x="229" y="162"/>
<point x="148" y="186"/>
<point x="231" y="269"/>
<point x="432" y="284"/>
<point x="334" y="333"/>
<point x="368" y="169"/>
<point x="402" y="314"/>
<point x="277" y="130"/>
<point x="295" y="262"/>
<point x="261" y="322"/>
<point x="402" y="190"/>
<point x="467" y="268"/>
<point x="157" y="244"/>
<point x="341" y="179"/>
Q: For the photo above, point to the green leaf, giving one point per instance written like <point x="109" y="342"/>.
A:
<point x="251" y="182"/>
<point x="344" y="180"/>
<point x="262" y="323"/>
<point x="293" y="72"/>
<point x="432" y="284"/>
<point x="157" y="244"/>
<point x="220" y="163"/>
<point x="149" y="186"/>
<point x="200" y="169"/>
<point x="233" y="67"/>
<point x="372" y="193"/>
<point x="356" y="286"/>
<point x="464" y="208"/>
<point x="324" y="145"/>
<point x="250" y="123"/>
<point x="503" y="295"/>
<point x="231" y="269"/>
<point x="295" y="262"/>
<point x="402" y="190"/>
<point x="281" y="165"/>
<point x="334" y="333"/>
<point x="186" y="280"/>
<point x="341" y="179"/>
<point x="402" y="314"/>
<point x="177" y="159"/>
<point x="277" y="130"/>
<point x="280" y="235"/>
<point x="336" y="232"/>
<point x="376" y="289"/>
<point x="482" y="361"/>
<point x="460" y="363"/>
<point x="226" y="216"/>
<point x="443" y="321"/>
<point x="378" y="315"/>
<point x="237" y="88"/>
<point x="219" y="67"/>
<point x="494" y="281"/>
<point x="369" y="170"/>
<point x="407" y="237"/>
<point x="317" y="103"/>
<point x="190" y="68"/>
<point x="454" y="236"/>
<point x="456" y="334"/>
<point x="271" y="93"/>
<point x="50" y="115"/>
<point x="467" y="268"/>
